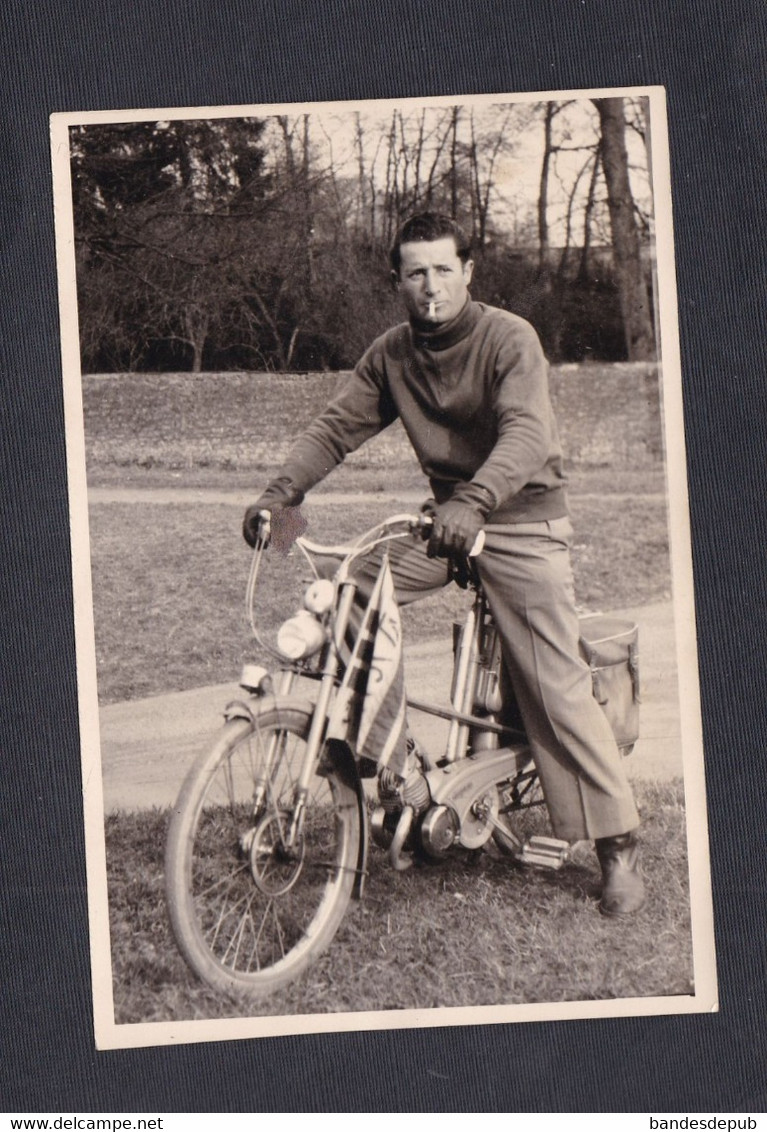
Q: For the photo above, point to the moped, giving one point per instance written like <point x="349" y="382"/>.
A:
<point x="270" y="836"/>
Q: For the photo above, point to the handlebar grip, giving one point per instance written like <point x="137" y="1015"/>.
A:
<point x="264" y="529"/>
<point x="425" y="522"/>
<point x="479" y="545"/>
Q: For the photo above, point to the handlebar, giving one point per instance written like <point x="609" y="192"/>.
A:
<point x="416" y="524"/>
<point x="395" y="527"/>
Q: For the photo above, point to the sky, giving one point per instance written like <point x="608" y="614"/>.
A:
<point x="517" y="169"/>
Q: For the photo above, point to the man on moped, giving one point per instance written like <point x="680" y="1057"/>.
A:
<point x="470" y="384"/>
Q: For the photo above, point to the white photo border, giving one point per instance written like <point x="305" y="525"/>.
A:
<point x="108" y="1034"/>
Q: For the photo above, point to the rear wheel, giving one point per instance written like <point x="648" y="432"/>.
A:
<point x="249" y="906"/>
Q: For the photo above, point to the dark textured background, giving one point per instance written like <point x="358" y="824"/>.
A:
<point x="85" y="55"/>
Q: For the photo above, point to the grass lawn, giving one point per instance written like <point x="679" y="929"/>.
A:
<point x="168" y="589"/>
<point x="169" y="582"/>
<point x="473" y="930"/>
<point x="609" y="416"/>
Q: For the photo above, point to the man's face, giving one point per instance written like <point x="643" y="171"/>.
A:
<point x="432" y="280"/>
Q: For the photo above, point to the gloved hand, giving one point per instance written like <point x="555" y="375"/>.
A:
<point x="255" y="525"/>
<point x="454" y="530"/>
<point x="281" y="493"/>
<point x="458" y="521"/>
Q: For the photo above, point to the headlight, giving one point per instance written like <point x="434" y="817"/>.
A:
<point x="319" y="597"/>
<point x="301" y="636"/>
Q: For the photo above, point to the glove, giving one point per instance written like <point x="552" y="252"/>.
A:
<point x="281" y="493"/>
<point x="458" y="521"/>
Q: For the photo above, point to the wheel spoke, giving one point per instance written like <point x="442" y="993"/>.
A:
<point x="226" y="882"/>
<point x="236" y="938"/>
<point x="224" y="914"/>
<point x="257" y="912"/>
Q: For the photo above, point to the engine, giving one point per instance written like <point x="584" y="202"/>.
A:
<point x="457" y="804"/>
<point x="436" y="831"/>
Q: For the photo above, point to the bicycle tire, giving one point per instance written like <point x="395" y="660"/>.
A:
<point x="247" y="915"/>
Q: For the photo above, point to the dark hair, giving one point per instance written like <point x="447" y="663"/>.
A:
<point x="425" y="226"/>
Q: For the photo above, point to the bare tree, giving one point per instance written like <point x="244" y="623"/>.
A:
<point x="483" y="153"/>
<point x="583" y="266"/>
<point x="630" y="279"/>
<point x="549" y="111"/>
<point x="155" y="211"/>
<point x="236" y="242"/>
<point x="455" y="115"/>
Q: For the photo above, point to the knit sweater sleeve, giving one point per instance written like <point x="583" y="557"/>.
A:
<point x="522" y="412"/>
<point x="363" y="408"/>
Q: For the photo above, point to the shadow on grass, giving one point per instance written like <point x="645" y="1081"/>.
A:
<point x="473" y="930"/>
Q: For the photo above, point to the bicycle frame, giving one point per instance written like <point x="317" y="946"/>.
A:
<point x="269" y="839"/>
<point x="475" y="671"/>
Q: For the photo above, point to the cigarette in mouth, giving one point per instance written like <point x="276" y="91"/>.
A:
<point x="432" y="310"/>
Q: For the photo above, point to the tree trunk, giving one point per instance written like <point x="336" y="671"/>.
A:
<point x="418" y="158"/>
<point x="197" y="326"/>
<point x="543" y="194"/>
<point x="308" y="233"/>
<point x="632" y="290"/>
<point x="390" y="220"/>
<point x="362" y="208"/>
<point x="477" y="234"/>
<point x="583" y="268"/>
<point x="453" y="164"/>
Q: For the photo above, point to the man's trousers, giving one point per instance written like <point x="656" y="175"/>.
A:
<point x="526" y="573"/>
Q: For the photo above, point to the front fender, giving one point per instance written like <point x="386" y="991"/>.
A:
<point x="253" y="706"/>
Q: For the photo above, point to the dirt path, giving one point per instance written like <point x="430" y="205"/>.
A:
<point x="147" y="745"/>
<point x="243" y="496"/>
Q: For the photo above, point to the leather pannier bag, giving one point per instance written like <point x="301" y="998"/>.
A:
<point x="610" y="646"/>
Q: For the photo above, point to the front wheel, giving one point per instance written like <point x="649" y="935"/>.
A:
<point x="251" y="905"/>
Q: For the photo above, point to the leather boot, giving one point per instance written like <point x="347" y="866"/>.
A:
<point x="623" y="887"/>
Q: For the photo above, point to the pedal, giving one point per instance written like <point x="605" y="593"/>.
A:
<point x="546" y="852"/>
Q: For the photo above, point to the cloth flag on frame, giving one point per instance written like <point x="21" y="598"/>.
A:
<point x="369" y="710"/>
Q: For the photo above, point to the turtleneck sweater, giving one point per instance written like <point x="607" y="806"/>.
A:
<point x="472" y="395"/>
